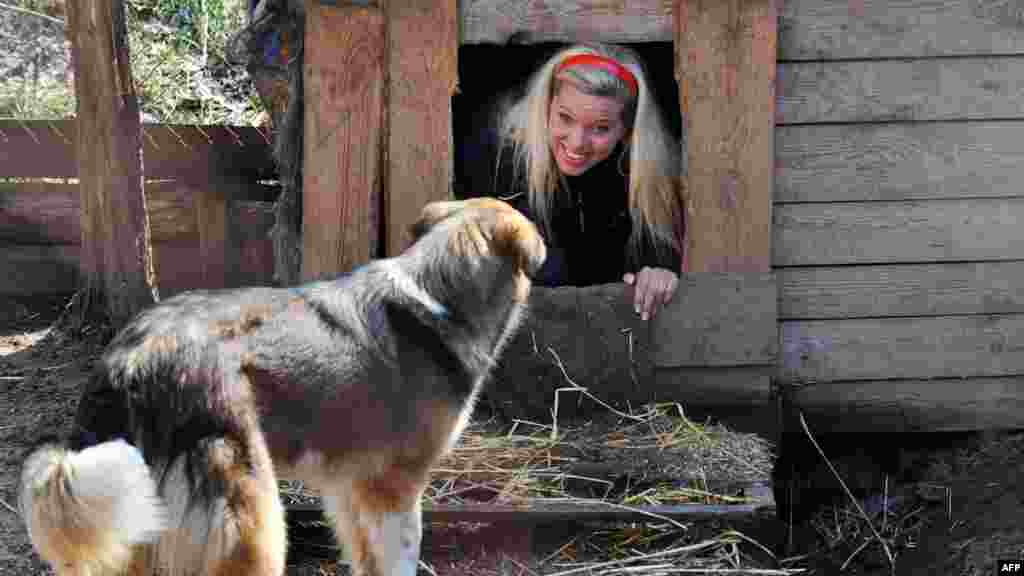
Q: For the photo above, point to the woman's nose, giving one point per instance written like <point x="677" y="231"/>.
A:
<point x="577" y="139"/>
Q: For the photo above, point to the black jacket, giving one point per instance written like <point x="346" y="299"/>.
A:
<point x="588" y="242"/>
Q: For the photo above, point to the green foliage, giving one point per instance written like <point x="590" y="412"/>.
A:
<point x="179" y="78"/>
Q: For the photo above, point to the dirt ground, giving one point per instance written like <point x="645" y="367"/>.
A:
<point x="954" y="504"/>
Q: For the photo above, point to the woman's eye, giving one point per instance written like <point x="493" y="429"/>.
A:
<point x="600" y="129"/>
<point x="565" y="118"/>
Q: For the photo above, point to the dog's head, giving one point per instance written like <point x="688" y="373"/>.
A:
<point x="485" y="227"/>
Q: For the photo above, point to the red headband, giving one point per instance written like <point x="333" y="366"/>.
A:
<point x="606" y="64"/>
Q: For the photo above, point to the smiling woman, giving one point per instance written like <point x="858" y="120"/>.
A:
<point x="585" y="154"/>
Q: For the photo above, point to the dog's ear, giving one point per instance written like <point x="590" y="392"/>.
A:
<point x="515" y="235"/>
<point x="430" y="215"/>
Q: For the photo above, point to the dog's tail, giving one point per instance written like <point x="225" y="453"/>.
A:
<point x="90" y="508"/>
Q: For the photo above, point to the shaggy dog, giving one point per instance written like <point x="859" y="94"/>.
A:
<point x="357" y="386"/>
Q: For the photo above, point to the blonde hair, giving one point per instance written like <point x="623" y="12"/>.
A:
<point x="655" y="195"/>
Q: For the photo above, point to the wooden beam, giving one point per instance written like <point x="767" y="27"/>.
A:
<point x="717" y="320"/>
<point x="898" y="232"/>
<point x="901" y="90"/>
<point x="515" y="21"/>
<point x="115" y="231"/>
<point x="725" y="66"/>
<point x="933" y="405"/>
<point x="568" y="328"/>
<point x="927" y="289"/>
<point x="422" y="49"/>
<point x="341" y="179"/>
<point x="898" y="161"/>
<point x="817" y="351"/>
<point x="831" y="29"/>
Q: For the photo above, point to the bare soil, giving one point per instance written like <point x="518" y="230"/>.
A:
<point x="954" y="503"/>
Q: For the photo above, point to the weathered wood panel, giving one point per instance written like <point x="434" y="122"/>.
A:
<point x="115" y="249"/>
<point x="48" y="269"/>
<point x="898" y="232"/>
<point x="725" y="66"/>
<point x="901" y="348"/>
<point x="809" y="29"/>
<point x="341" y="184"/>
<point x="48" y="212"/>
<point x="854" y="162"/>
<point x="515" y="21"/>
<point x="717" y="320"/>
<point x="901" y="90"/>
<point x="568" y="328"/>
<point x="423" y="42"/>
<point x="940" y="405"/>
<point x="46" y="149"/>
<point x="834" y="29"/>
<point x="901" y="290"/>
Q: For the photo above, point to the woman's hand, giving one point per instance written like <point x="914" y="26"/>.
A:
<point x="653" y="288"/>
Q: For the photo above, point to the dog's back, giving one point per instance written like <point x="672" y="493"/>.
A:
<point x="358" y="385"/>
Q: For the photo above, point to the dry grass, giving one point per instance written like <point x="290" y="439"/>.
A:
<point x="657" y="457"/>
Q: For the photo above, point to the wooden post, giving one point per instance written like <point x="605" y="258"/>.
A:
<point x="725" y="66"/>
<point x="422" y="74"/>
<point x="116" y="253"/>
<point x="344" y="95"/>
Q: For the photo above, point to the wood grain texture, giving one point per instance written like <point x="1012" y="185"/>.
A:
<point x="940" y="405"/>
<point x="179" y="263"/>
<point x="834" y="29"/>
<point x="422" y="73"/>
<point x="898" y="232"/>
<point x="515" y="21"/>
<point x="725" y="66"/>
<point x="48" y="212"/>
<point x="46" y="149"/>
<point x="115" y="231"/>
<point x="717" y="320"/>
<point x="854" y="162"/>
<point x="901" y="90"/>
<point x="344" y="68"/>
<point x="958" y="288"/>
<point x="901" y="348"/>
<point x="591" y="337"/>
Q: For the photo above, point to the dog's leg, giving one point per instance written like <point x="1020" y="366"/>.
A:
<point x="378" y="522"/>
<point x="233" y="525"/>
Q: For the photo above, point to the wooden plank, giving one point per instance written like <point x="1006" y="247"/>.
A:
<point x="422" y="50"/>
<point x="833" y="29"/>
<point x="568" y="328"/>
<point x="725" y="66"/>
<point x="857" y="162"/>
<point x="898" y="232"/>
<point x="115" y="250"/>
<point x="47" y="269"/>
<point x="717" y="320"/>
<point x="942" y="405"/>
<point x="880" y="348"/>
<point x="38" y="269"/>
<point x="46" y="149"/>
<point x="901" y="290"/>
<point x="901" y="90"/>
<point x="514" y="21"/>
<point x="344" y="61"/>
<point x="48" y="213"/>
<point x="211" y="213"/>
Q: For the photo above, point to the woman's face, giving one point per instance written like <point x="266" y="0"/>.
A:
<point x="583" y="129"/>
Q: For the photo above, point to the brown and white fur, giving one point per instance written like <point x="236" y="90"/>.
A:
<point x="356" y="385"/>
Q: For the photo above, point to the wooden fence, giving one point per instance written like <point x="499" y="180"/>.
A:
<point x="208" y="194"/>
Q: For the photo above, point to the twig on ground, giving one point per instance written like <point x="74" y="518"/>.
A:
<point x="885" y="545"/>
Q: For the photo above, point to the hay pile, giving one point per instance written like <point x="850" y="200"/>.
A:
<point x="654" y="457"/>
